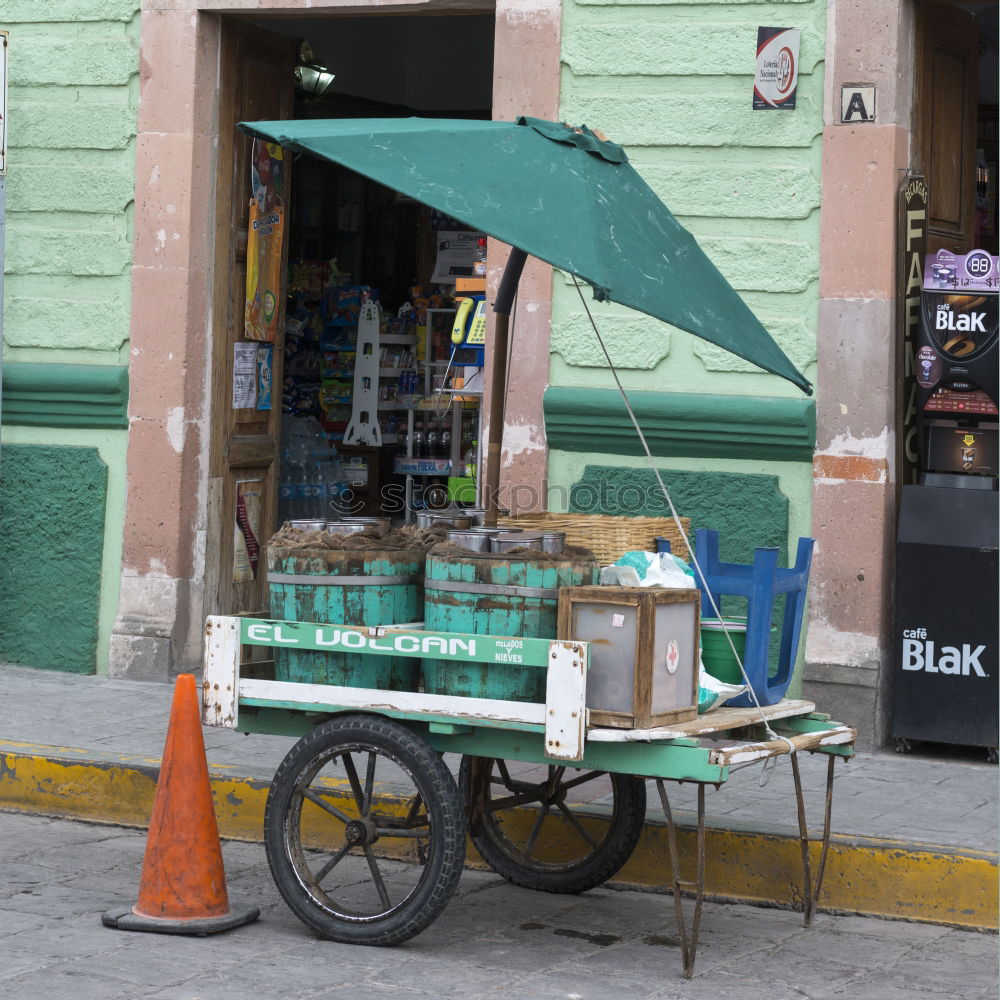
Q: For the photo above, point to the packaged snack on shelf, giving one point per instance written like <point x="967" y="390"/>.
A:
<point x="342" y="305"/>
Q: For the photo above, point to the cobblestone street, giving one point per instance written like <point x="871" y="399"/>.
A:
<point x="493" y="941"/>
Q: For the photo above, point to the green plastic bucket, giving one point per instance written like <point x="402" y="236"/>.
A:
<point x="716" y="654"/>
<point x="485" y="594"/>
<point x="346" y="587"/>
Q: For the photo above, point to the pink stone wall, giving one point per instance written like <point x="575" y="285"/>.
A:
<point x="527" y="35"/>
<point x="854" y="486"/>
<point x="158" y="626"/>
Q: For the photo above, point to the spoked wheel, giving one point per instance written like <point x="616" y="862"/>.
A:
<point x="528" y="828"/>
<point x="364" y="831"/>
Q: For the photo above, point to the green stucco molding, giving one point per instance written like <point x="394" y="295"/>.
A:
<point x="681" y="424"/>
<point x="53" y="395"/>
<point x="748" y="510"/>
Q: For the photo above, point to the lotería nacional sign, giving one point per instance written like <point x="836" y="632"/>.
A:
<point x="777" y="77"/>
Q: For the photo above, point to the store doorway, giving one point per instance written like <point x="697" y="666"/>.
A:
<point x="280" y="409"/>
<point x="956" y="123"/>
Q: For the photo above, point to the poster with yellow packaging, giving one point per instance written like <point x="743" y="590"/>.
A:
<point x="264" y="241"/>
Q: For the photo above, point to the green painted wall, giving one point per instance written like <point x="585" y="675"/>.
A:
<point x="52" y="523"/>
<point x="673" y="81"/>
<point x="74" y="88"/>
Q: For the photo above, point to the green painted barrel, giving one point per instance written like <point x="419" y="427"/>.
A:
<point x="496" y="595"/>
<point x="346" y="587"/>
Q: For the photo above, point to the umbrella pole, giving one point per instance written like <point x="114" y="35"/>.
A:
<point x="498" y="381"/>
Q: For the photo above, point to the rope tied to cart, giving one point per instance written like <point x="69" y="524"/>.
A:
<point x="770" y="733"/>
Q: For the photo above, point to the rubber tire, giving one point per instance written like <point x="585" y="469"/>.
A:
<point x="629" y="817"/>
<point x="444" y="809"/>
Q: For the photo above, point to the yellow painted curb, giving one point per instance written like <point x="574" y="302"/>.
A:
<point x="882" y="878"/>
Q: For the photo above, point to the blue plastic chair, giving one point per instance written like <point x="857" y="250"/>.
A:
<point x="761" y="584"/>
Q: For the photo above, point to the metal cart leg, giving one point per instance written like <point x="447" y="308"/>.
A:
<point x="810" y="891"/>
<point x="689" y="946"/>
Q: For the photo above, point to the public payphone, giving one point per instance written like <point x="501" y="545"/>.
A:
<point x="945" y="668"/>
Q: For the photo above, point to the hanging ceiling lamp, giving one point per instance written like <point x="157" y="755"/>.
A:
<point x="312" y="78"/>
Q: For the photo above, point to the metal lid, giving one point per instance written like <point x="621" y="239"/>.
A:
<point x="345" y="527"/>
<point x="516" y="540"/>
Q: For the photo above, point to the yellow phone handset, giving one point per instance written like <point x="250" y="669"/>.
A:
<point x="477" y="328"/>
<point x="458" y="330"/>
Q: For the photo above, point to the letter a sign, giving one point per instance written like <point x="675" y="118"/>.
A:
<point x="857" y="104"/>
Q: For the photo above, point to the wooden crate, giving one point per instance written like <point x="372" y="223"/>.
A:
<point x="643" y="654"/>
<point x="608" y="536"/>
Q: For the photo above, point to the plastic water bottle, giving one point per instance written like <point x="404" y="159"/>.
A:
<point x="296" y="478"/>
<point x="431" y="441"/>
<point x="327" y="477"/>
<point x="284" y="488"/>
<point x="315" y="490"/>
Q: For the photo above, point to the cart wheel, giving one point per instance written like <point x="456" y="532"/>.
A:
<point x="508" y="815"/>
<point x="363" y="786"/>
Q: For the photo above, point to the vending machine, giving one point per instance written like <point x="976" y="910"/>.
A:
<point x="945" y="666"/>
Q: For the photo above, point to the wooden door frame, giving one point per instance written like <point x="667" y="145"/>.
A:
<point x="229" y="450"/>
<point x="159" y="628"/>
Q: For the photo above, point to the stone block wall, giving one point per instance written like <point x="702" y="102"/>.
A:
<point x="74" y="83"/>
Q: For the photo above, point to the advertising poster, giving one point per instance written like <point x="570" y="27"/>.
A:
<point x="777" y="76"/>
<point x="456" y="256"/>
<point x="264" y="241"/>
<point x="265" y="362"/>
<point x="975" y="271"/>
<point x="246" y="531"/>
<point x="244" y="375"/>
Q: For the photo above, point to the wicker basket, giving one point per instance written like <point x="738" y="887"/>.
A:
<point x="608" y="535"/>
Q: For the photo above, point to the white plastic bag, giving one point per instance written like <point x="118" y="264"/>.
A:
<point x="713" y="693"/>
<point x="648" y="569"/>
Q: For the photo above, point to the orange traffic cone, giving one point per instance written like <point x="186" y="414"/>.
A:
<point x="183" y="885"/>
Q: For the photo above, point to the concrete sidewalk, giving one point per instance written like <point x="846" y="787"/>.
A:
<point x="914" y="837"/>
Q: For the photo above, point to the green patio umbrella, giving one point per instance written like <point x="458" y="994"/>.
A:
<point x="561" y="194"/>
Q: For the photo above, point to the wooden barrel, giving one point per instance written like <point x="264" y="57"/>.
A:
<point x="496" y="595"/>
<point x="346" y="587"/>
